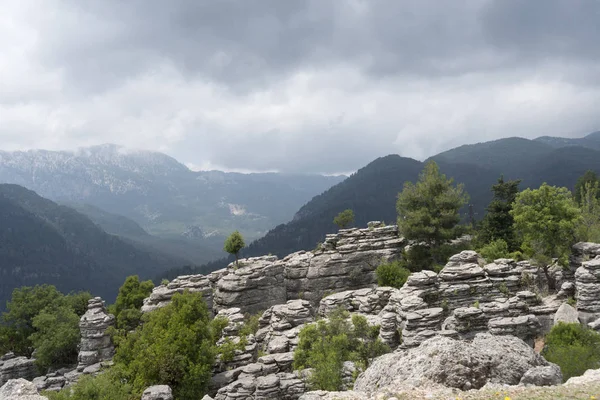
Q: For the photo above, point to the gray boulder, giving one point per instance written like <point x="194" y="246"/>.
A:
<point x="567" y="314"/>
<point x="96" y="345"/>
<point x="158" y="392"/>
<point x="13" y="367"/>
<point x="20" y="389"/>
<point x="548" y="375"/>
<point x="452" y="363"/>
<point x="590" y="376"/>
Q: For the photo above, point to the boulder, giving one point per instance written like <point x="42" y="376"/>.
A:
<point x="567" y="314"/>
<point x="589" y="376"/>
<point x="13" y="367"/>
<point x="20" y="389"/>
<point x="587" y="283"/>
<point x="158" y="392"/>
<point x="548" y="375"/>
<point x="453" y="363"/>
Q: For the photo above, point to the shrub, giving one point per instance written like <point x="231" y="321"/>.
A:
<point x="326" y="344"/>
<point x="498" y="249"/>
<point x="105" y="386"/>
<point x="175" y="346"/>
<point x="129" y="301"/>
<point x="573" y="347"/>
<point x="392" y="274"/>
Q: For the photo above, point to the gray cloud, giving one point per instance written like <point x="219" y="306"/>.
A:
<point x="307" y="85"/>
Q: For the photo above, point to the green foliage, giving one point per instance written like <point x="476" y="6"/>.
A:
<point x="251" y="324"/>
<point x="545" y="222"/>
<point x="344" y="219"/>
<point x="56" y="336"/>
<point x="589" y="226"/>
<point x="428" y="211"/>
<point x="41" y="317"/>
<point x="392" y="274"/>
<point x="498" y="249"/>
<point x="234" y="243"/>
<point x="498" y="222"/>
<point x="325" y="346"/>
<point x="589" y="178"/>
<point x="572" y="302"/>
<point x="573" y="347"/>
<point x="105" y="386"/>
<point x="129" y="302"/>
<point x="175" y="346"/>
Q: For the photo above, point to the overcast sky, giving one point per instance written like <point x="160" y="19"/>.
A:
<point x="298" y="86"/>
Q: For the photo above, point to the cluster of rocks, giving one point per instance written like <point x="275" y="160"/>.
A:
<point x="587" y="282"/>
<point x="13" y="367"/>
<point x="346" y="260"/>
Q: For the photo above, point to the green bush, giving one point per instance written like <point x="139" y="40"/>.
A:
<point x="498" y="249"/>
<point x="574" y="348"/>
<point x="105" y="386"/>
<point x="175" y="346"/>
<point x="129" y="302"/>
<point x="41" y="317"/>
<point x="392" y="274"/>
<point x="326" y="344"/>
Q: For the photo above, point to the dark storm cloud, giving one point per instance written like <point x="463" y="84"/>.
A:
<point x="302" y="85"/>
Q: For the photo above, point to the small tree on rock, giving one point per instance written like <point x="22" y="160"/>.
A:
<point x="233" y="244"/>
<point x="344" y="219"/>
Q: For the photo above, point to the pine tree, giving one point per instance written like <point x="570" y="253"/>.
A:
<point x="428" y="212"/>
<point x="233" y="244"/>
<point x="498" y="222"/>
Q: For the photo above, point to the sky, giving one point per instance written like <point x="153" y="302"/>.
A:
<point x="316" y="86"/>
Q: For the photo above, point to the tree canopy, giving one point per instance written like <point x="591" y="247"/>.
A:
<point x="545" y="221"/>
<point x="344" y="219"/>
<point x="234" y="243"/>
<point x="428" y="211"/>
<point x="588" y="177"/>
<point x="498" y="222"/>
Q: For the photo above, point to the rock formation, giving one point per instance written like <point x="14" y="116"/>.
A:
<point x="96" y="345"/>
<point x="13" y="367"/>
<point x="453" y="363"/>
<point x="161" y="295"/>
<point x="158" y="392"/>
<point x="20" y="389"/>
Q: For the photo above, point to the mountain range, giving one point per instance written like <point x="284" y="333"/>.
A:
<point x="372" y="191"/>
<point x="124" y="213"/>
<point x="44" y="242"/>
<point x="192" y="211"/>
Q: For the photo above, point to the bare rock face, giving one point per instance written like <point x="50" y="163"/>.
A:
<point x="284" y="386"/>
<point x="161" y="295"/>
<point x="248" y="352"/>
<point x="96" y="345"/>
<point x="587" y="282"/>
<point x="13" y="367"/>
<point x="253" y="285"/>
<point x="158" y="392"/>
<point x="453" y="363"/>
<point x="346" y="260"/>
<point x="20" y="389"/>
<point x="280" y="325"/>
<point x="368" y="301"/>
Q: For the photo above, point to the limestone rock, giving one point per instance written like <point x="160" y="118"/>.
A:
<point x="525" y="327"/>
<point x="20" y="389"/>
<point x="13" y="367"/>
<point x="158" y="392"/>
<point x="453" y="363"/>
<point x="253" y="285"/>
<point x="589" y="376"/>
<point x="587" y="282"/>
<point x="566" y="314"/>
<point x="280" y="325"/>
<point x="96" y="345"/>
<point x="285" y="386"/>
<point x="548" y="375"/>
<point x="323" y="395"/>
<point x="161" y="295"/>
<point x="363" y="301"/>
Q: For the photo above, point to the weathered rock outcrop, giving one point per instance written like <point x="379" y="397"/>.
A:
<point x="13" y="367"/>
<point x="158" y="392"/>
<point x="253" y="285"/>
<point x="280" y="325"/>
<point x="453" y="363"/>
<point x="20" y="389"/>
<point x="246" y="352"/>
<point x="346" y="260"/>
<point x="161" y="295"/>
<point x="284" y="386"/>
<point x="587" y="282"/>
<point x="96" y="345"/>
